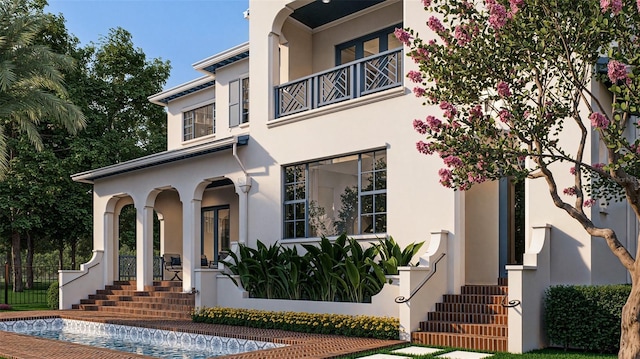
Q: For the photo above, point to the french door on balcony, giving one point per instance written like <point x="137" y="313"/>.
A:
<point x="368" y="45"/>
<point x="215" y="232"/>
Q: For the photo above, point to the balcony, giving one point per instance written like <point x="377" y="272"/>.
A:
<point x="342" y="83"/>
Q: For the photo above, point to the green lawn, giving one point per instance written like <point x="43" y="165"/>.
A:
<point x="539" y="354"/>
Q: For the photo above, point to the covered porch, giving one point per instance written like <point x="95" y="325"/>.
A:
<point x="196" y="196"/>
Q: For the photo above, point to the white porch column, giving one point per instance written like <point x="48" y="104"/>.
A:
<point x="110" y="246"/>
<point x="456" y="246"/>
<point x="527" y="284"/>
<point x="191" y="229"/>
<point x="242" y="189"/>
<point x="144" y="247"/>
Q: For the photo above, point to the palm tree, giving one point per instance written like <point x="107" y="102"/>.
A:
<point x="32" y="91"/>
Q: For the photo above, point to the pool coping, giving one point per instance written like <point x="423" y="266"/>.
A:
<point x="299" y="345"/>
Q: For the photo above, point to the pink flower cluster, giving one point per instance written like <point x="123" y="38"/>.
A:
<point x="503" y="89"/>
<point x="415" y="76"/>
<point x="569" y="191"/>
<point x="504" y="115"/>
<point x="419" y="91"/>
<point x="403" y="36"/>
<point x="589" y="203"/>
<point x="475" y="112"/>
<point x="425" y="148"/>
<point x="617" y="71"/>
<point x="462" y="35"/>
<point x="449" y="110"/>
<point x="515" y="5"/>
<point x="435" y="25"/>
<point x="452" y="161"/>
<point x="426" y="3"/>
<point x="599" y="120"/>
<point x="614" y="5"/>
<point x="498" y="15"/>
<point x="598" y="166"/>
<point x="430" y="123"/>
<point x="572" y="170"/>
<point x="446" y="176"/>
<point x="420" y="54"/>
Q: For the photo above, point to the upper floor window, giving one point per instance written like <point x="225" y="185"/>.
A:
<point x="340" y="195"/>
<point x="198" y="122"/>
<point x="238" y="102"/>
<point x="367" y="45"/>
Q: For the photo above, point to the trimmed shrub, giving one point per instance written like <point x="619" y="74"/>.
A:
<point x="585" y="317"/>
<point x="53" y="300"/>
<point x="347" y="325"/>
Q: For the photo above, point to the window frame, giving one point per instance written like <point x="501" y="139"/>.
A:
<point x="381" y="35"/>
<point x="239" y="98"/>
<point x="361" y="193"/>
<point x="193" y="118"/>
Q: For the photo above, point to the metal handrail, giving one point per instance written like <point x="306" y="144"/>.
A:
<point x="512" y="303"/>
<point x="401" y="299"/>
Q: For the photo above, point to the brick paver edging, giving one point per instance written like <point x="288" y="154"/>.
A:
<point x="300" y="345"/>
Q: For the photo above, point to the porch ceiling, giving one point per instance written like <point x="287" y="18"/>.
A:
<point x="318" y="13"/>
<point x="161" y="158"/>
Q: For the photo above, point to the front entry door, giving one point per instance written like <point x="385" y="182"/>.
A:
<point x="511" y="223"/>
<point x="215" y="232"/>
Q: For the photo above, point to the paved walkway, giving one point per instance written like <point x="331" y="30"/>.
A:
<point x="17" y="346"/>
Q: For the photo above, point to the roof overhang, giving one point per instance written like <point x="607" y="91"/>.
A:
<point x="160" y="159"/>
<point x="318" y="13"/>
<point x="190" y="87"/>
<point x="211" y="64"/>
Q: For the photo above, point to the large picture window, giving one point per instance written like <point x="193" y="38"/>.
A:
<point x="340" y="195"/>
<point x="198" y="122"/>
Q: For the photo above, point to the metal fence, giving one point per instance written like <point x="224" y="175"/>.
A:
<point x="36" y="281"/>
<point x="127" y="268"/>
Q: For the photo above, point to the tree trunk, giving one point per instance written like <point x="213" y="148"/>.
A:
<point x="17" y="262"/>
<point x="30" y="250"/>
<point x="630" y="336"/>
<point x="60" y="254"/>
<point x="74" y="247"/>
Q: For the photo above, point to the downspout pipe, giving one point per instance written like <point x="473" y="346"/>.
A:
<point x="245" y="186"/>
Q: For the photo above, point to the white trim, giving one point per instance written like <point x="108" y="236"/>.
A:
<point x="198" y="105"/>
<point x="224" y="55"/>
<point x="340" y="106"/>
<point x="360" y="13"/>
<point x="89" y="176"/>
<point x="180" y="88"/>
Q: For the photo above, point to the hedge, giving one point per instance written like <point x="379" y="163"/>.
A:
<point x="347" y="325"/>
<point x="585" y="317"/>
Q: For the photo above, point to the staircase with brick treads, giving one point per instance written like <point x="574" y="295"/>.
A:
<point x="474" y="319"/>
<point x="163" y="299"/>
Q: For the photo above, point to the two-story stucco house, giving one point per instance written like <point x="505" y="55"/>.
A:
<point x="265" y="144"/>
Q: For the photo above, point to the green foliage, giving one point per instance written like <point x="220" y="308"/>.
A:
<point x="348" y="325"/>
<point x="392" y="256"/>
<point x="53" y="297"/>
<point x="340" y="270"/>
<point x="585" y="317"/>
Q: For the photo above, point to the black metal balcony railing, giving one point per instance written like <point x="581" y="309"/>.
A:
<point x="345" y="82"/>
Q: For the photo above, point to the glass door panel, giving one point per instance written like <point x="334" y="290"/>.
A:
<point x="216" y="239"/>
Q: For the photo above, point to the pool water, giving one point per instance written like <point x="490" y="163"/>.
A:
<point x="145" y="341"/>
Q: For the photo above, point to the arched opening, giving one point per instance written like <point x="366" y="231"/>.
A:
<point x="219" y="221"/>
<point x="126" y="244"/>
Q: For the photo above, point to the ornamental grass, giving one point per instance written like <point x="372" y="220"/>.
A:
<point x="338" y="324"/>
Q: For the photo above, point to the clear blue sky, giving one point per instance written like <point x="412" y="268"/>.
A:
<point x="182" y="31"/>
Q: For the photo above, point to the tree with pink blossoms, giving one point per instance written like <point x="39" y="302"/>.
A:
<point x="514" y="80"/>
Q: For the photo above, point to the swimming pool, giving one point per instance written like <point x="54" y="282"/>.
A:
<point x="145" y="341"/>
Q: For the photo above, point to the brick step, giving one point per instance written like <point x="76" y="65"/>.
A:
<point x="471" y="308"/>
<point x="491" y="330"/>
<point x="484" y="289"/>
<point x="163" y="289"/>
<point x="466" y="341"/>
<point x="468" y="318"/>
<point x="155" y="306"/>
<point x="120" y="298"/>
<point x="472" y="298"/>
<point x="147" y="312"/>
